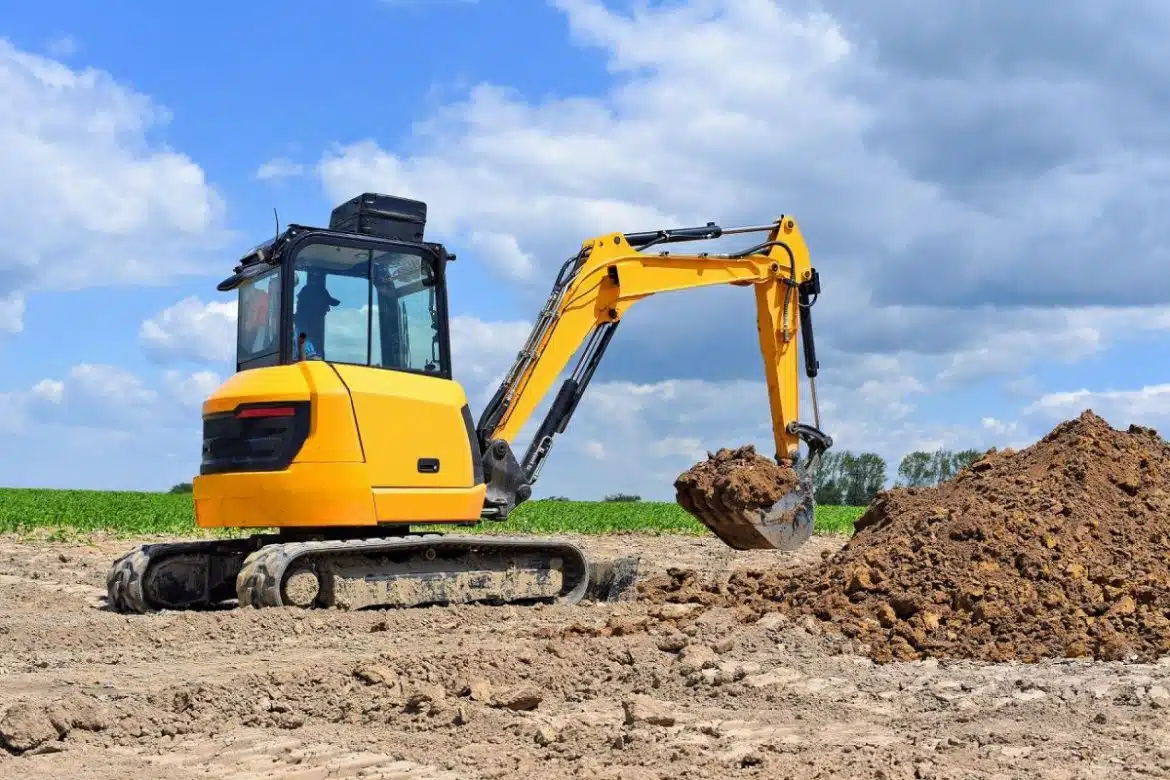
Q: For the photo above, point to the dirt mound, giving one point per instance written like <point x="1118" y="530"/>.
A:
<point x="1060" y="549"/>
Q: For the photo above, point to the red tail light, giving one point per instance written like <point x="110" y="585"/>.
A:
<point x="266" y="411"/>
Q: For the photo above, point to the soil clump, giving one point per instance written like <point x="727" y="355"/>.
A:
<point x="1058" y="550"/>
<point x="738" y="477"/>
<point x="733" y="493"/>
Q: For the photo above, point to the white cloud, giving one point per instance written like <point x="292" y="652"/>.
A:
<point x="998" y="427"/>
<point x="594" y="449"/>
<point x="111" y="384"/>
<point x="696" y="126"/>
<point x="12" y="313"/>
<point x="1148" y="406"/>
<point x="50" y="390"/>
<point x="107" y="397"/>
<point x="682" y="446"/>
<point x="191" y="390"/>
<point x="483" y="351"/>
<point x="502" y="253"/>
<point x="279" y="168"/>
<point x="86" y="199"/>
<point x="191" y="330"/>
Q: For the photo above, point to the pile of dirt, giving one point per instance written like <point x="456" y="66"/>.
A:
<point x="1060" y="549"/>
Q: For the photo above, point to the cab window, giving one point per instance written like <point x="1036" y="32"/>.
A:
<point x="406" y="313"/>
<point x="258" y="333"/>
<point x="331" y="304"/>
<point x="366" y="307"/>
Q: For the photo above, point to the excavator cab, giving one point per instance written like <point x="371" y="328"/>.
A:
<point x="344" y="299"/>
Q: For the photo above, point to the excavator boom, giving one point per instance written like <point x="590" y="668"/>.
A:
<point x="590" y="296"/>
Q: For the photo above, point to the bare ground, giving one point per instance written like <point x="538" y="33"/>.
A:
<point x="626" y="690"/>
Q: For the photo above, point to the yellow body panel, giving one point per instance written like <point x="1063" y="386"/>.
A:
<point x="284" y="383"/>
<point x="306" y="494"/>
<point x="349" y="473"/>
<point x="404" y="417"/>
<point x="428" y="505"/>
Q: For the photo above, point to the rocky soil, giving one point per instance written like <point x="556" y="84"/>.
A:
<point x="1059" y="550"/>
<point x="633" y="690"/>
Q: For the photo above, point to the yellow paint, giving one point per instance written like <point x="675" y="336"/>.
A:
<point x="593" y="298"/>
<point x="306" y="494"/>
<point x="404" y="417"/>
<point x="428" y="505"/>
<point x="285" y="383"/>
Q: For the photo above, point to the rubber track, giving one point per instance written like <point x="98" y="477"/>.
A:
<point x="260" y="580"/>
<point x="124" y="580"/>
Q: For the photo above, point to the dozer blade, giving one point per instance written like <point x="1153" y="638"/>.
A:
<point x="748" y="507"/>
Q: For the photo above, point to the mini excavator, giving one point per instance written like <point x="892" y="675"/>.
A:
<point x="343" y="429"/>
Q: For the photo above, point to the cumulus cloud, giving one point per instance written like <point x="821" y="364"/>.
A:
<point x="1149" y="405"/>
<point x="108" y="397"/>
<point x="482" y="351"/>
<point x="191" y="390"/>
<point x="86" y="199"/>
<point x="971" y="221"/>
<point x="191" y="330"/>
<point x="926" y="231"/>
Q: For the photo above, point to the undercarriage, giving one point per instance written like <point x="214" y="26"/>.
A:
<point x="350" y="574"/>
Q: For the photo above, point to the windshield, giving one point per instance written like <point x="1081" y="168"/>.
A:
<point x="341" y="316"/>
<point x="259" y="318"/>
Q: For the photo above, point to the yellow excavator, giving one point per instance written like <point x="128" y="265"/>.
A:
<point x="343" y="429"/>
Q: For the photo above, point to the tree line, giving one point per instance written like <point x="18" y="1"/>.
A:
<point x="849" y="479"/>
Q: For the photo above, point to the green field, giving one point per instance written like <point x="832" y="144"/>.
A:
<point x="70" y="512"/>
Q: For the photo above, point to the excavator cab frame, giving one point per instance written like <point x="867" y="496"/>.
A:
<point x="273" y="269"/>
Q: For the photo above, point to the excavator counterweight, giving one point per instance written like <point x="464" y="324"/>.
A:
<point x="344" y="430"/>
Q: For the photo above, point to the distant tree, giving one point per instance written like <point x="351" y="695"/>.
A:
<point x="622" y="497"/>
<point x="916" y="470"/>
<point x="847" y="478"/>
<point x="826" y="480"/>
<point x="828" y="494"/>
<point x="182" y="487"/>
<point x="925" y="469"/>
<point x="556" y="498"/>
<point x="866" y="475"/>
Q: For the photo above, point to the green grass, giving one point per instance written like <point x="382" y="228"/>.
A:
<point x="68" y="513"/>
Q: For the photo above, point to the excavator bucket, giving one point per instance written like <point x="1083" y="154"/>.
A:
<point x="749" y="501"/>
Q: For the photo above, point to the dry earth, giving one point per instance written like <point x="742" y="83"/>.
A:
<point x="621" y="690"/>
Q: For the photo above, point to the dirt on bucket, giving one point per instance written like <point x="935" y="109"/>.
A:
<point x="1059" y="549"/>
<point x="738" y="477"/>
<point x="735" y="493"/>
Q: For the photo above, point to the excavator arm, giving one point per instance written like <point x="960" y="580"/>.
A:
<point x="591" y="294"/>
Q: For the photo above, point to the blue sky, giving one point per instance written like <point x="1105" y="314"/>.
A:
<point x="986" y="206"/>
